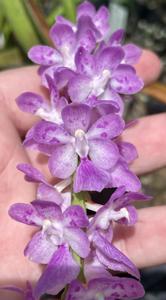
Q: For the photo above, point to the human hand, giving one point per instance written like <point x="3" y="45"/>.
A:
<point x="139" y="243"/>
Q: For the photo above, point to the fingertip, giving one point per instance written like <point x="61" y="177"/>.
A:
<point x="149" y="67"/>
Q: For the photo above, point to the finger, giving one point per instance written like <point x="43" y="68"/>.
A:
<point x="15" y="82"/>
<point x="149" y="67"/>
<point x="145" y="243"/>
<point x="15" y="268"/>
<point x="148" y="135"/>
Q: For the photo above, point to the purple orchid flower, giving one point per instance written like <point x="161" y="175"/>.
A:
<point x="57" y="229"/>
<point x="101" y="18"/>
<point x="35" y="104"/>
<point x="46" y="191"/>
<point x="114" y="288"/>
<point x="27" y="293"/>
<point x="66" y="40"/>
<point x="132" y="52"/>
<point x="79" y="139"/>
<point x="117" y="209"/>
<point x="100" y="71"/>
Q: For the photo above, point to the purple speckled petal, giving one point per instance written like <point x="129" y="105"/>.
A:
<point x="62" y="77"/>
<point x="44" y="55"/>
<point x="74" y="215"/>
<point x="31" y="173"/>
<point x="113" y="258"/>
<point x="94" y="269"/>
<point x="86" y="9"/>
<point x="109" y="58"/>
<point x="61" y="270"/>
<point x="112" y="288"/>
<point x="107" y="127"/>
<point x="87" y="33"/>
<point x="124" y="81"/>
<point x="103" y="153"/>
<point x="29" y="140"/>
<point x="49" y="193"/>
<point x="117" y="288"/>
<point x="63" y="161"/>
<point x="121" y="199"/>
<point x="62" y="20"/>
<point x="24" y="213"/>
<point x="79" y="88"/>
<point x="122" y="176"/>
<point x="50" y="133"/>
<point x="127" y="151"/>
<point x="132" y="54"/>
<point x="63" y="36"/>
<point x="89" y="178"/>
<point x="40" y="249"/>
<point x="78" y="241"/>
<point x="105" y="107"/>
<point x="102" y="20"/>
<point x="30" y="102"/>
<point x="47" y="210"/>
<point x="76" y="291"/>
<point x="84" y="62"/>
<point x="110" y="94"/>
<point x="76" y="116"/>
<point x="117" y="37"/>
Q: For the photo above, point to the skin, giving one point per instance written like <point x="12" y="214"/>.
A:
<point x="144" y="244"/>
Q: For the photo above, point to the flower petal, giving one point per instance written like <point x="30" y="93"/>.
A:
<point x="132" y="54"/>
<point x="102" y="20"/>
<point x="86" y="9"/>
<point x="84" y="62"/>
<point x="122" y="176"/>
<point x="40" y="249"/>
<point x="63" y="161"/>
<point x="109" y="58"/>
<point x="79" y="88"/>
<point x="24" y="213"/>
<point x="103" y="153"/>
<point x="117" y="288"/>
<point x="50" y="133"/>
<point x="62" y="77"/>
<point x="78" y="241"/>
<point x="87" y="33"/>
<point x="76" y="116"/>
<point x="110" y="94"/>
<point x="76" y="291"/>
<point x="107" y="127"/>
<point x="47" y="210"/>
<point x="49" y="193"/>
<point x="31" y="173"/>
<point x="44" y="55"/>
<point x="89" y="178"/>
<point x="113" y="258"/>
<point x="124" y="81"/>
<point x="74" y="215"/>
<point x="132" y="216"/>
<point x="61" y="270"/>
<point x="117" y="37"/>
<point x="63" y="37"/>
<point x="127" y="151"/>
<point x="30" y="102"/>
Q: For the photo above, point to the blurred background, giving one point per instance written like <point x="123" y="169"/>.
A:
<point x="24" y="23"/>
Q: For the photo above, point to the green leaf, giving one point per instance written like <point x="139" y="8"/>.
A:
<point x="70" y="9"/>
<point x="19" y="21"/>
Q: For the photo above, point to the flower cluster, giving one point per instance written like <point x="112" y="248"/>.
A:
<point x="87" y="74"/>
